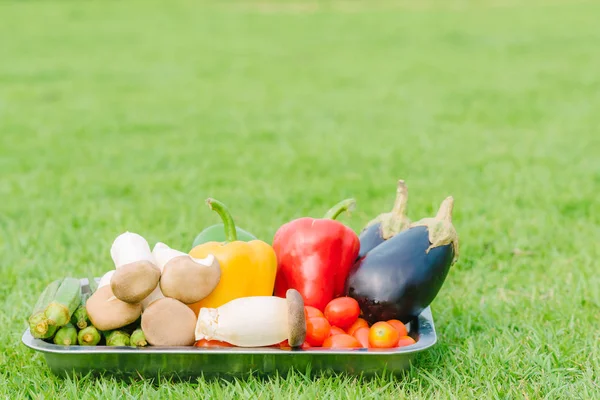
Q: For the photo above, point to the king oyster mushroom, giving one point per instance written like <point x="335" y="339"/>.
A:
<point x="185" y="278"/>
<point x="136" y="274"/>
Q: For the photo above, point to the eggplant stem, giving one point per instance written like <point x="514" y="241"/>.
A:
<point x="445" y="211"/>
<point x="399" y="209"/>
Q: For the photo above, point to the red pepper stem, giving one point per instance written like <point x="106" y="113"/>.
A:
<point x="399" y="209"/>
<point x="445" y="211"/>
<point x="344" y="205"/>
<point x="221" y="209"/>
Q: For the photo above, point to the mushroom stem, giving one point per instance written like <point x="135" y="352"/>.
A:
<point x="129" y="248"/>
<point x="255" y="321"/>
<point x="105" y="280"/>
<point x="157" y="294"/>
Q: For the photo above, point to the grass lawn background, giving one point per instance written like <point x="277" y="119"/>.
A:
<point x="122" y="116"/>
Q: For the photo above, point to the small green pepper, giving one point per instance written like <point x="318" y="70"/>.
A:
<point x="216" y="233"/>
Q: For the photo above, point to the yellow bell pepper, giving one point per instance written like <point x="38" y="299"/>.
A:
<point x="247" y="268"/>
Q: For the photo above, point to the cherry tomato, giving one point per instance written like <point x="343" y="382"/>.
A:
<point x="399" y="326"/>
<point x="362" y="335"/>
<point x="359" y="323"/>
<point x="383" y="335"/>
<point x="405" y="341"/>
<point x="212" y="343"/>
<point x="311" y="311"/>
<point x="342" y="341"/>
<point x="342" y="312"/>
<point x="336" y="331"/>
<point x="305" y="345"/>
<point x="317" y="330"/>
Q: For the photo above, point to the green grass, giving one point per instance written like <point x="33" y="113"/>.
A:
<point x="126" y="115"/>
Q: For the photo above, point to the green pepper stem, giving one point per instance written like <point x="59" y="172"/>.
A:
<point x="344" y="205"/>
<point x="399" y="209"/>
<point x="221" y="209"/>
<point x="445" y="211"/>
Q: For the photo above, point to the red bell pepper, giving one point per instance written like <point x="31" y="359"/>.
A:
<point x="314" y="256"/>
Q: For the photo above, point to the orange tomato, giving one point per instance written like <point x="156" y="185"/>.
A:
<point x="311" y="311"/>
<point x="383" y="335"/>
<point x="336" y="331"/>
<point x="362" y="335"/>
<point x="399" y="326"/>
<point x="359" y="323"/>
<point x="317" y="330"/>
<point x="342" y="312"/>
<point x="405" y="341"/>
<point x="212" y="343"/>
<point x="342" y="341"/>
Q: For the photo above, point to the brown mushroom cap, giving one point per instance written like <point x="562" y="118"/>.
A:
<point x="133" y="282"/>
<point x="106" y="312"/>
<point x="190" y="281"/>
<point x="169" y="322"/>
<point x="296" y="318"/>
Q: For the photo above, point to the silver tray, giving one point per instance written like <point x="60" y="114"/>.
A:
<point x="189" y="362"/>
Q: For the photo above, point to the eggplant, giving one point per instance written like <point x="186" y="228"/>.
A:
<point x="401" y="276"/>
<point x="386" y="225"/>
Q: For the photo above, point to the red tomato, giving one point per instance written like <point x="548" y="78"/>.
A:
<point x="342" y="341"/>
<point x="336" y="331"/>
<point x="317" y="330"/>
<point x="362" y="335"/>
<point x="342" y="312"/>
<point x="359" y="323"/>
<point x="311" y="311"/>
<point x="405" y="341"/>
<point x="399" y="326"/>
<point x="383" y="335"/>
<point x="212" y="343"/>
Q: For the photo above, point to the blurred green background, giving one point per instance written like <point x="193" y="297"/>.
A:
<point x="126" y="115"/>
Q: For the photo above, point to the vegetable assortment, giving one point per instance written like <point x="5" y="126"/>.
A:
<point x="317" y="285"/>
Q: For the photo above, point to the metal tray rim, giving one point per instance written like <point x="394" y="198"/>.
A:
<point x="425" y="328"/>
<point x="427" y="338"/>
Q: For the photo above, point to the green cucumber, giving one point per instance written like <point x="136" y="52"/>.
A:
<point x="38" y="323"/>
<point x="66" y="301"/>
